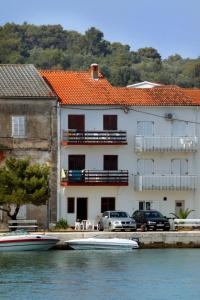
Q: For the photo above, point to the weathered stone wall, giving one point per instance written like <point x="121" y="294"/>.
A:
<point x="40" y="143"/>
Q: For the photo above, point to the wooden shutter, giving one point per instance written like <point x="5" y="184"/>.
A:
<point x="76" y="162"/>
<point x="110" y="122"/>
<point x="110" y="162"/>
<point x="76" y="122"/>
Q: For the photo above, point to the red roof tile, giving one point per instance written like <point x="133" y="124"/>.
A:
<point x="194" y="93"/>
<point x="80" y="89"/>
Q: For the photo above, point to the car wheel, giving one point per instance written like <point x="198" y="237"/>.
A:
<point x="100" y="227"/>
<point x="166" y="229"/>
<point x="144" y="227"/>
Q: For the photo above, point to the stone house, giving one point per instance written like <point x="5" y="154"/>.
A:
<point x="28" y="128"/>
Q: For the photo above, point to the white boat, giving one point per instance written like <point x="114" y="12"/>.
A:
<point x="24" y="241"/>
<point x="103" y="244"/>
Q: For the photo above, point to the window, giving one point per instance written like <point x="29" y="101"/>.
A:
<point x="110" y="122"/>
<point x="70" y="205"/>
<point x="18" y="126"/>
<point x="110" y="162"/>
<point x="107" y="203"/>
<point x="144" y="205"/>
<point x="76" y="122"/>
<point x="145" y="128"/>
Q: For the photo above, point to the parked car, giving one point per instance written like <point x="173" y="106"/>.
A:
<point x="116" y="220"/>
<point x="150" y="219"/>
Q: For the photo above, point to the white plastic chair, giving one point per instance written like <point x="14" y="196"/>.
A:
<point x="77" y="225"/>
<point x="89" y="225"/>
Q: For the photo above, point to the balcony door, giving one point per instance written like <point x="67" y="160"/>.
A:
<point x="145" y="166"/>
<point x="179" y="128"/>
<point x="110" y="162"/>
<point x="179" y="167"/>
<point x="76" y="122"/>
<point x="76" y="162"/>
<point x="145" y="128"/>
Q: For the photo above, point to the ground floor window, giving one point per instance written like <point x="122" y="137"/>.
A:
<point x="144" y="205"/>
<point x="70" y="205"/>
<point x="107" y="203"/>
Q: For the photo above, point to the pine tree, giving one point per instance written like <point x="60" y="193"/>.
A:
<point x="22" y="183"/>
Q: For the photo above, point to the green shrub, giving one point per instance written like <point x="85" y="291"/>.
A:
<point x="61" y="224"/>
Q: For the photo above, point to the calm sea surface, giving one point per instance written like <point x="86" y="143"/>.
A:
<point x="139" y="274"/>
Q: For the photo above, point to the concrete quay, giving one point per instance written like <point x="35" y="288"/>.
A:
<point x="148" y="240"/>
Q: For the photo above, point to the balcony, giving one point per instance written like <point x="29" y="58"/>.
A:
<point x="94" y="178"/>
<point x="165" y="183"/>
<point x="165" y="144"/>
<point x="108" y="137"/>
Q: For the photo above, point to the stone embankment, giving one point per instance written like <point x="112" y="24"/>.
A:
<point x="148" y="240"/>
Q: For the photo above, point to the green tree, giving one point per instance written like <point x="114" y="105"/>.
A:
<point x="52" y="47"/>
<point x="22" y="183"/>
<point x="94" y="42"/>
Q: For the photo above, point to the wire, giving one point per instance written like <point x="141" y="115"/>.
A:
<point x="126" y="108"/>
<point x="163" y="117"/>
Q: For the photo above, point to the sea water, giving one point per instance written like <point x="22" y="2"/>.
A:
<point x="138" y="274"/>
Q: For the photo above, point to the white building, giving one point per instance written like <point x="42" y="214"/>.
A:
<point x="125" y="148"/>
<point x="144" y="85"/>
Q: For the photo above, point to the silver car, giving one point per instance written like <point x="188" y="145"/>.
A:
<point x="116" y="220"/>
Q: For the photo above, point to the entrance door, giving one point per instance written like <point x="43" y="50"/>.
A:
<point x="81" y="209"/>
<point x="179" y="204"/>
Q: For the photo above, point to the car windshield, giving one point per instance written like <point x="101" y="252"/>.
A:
<point x="153" y="214"/>
<point x="118" y="214"/>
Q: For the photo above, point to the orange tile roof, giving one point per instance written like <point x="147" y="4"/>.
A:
<point x="194" y="93"/>
<point x="78" y="88"/>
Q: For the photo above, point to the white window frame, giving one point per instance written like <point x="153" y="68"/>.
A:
<point x="146" y="205"/>
<point x="18" y="126"/>
<point x="142" y="166"/>
<point x="181" y="127"/>
<point x="183" y="168"/>
<point x="145" y="128"/>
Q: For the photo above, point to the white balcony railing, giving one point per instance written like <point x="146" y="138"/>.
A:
<point x="165" y="143"/>
<point x="165" y="182"/>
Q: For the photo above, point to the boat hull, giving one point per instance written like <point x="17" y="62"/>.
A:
<point x="38" y="243"/>
<point x="102" y="244"/>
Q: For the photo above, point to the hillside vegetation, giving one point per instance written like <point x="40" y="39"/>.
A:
<point x="52" y="47"/>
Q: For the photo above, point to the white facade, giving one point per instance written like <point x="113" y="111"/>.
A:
<point x="144" y="85"/>
<point x="162" y="158"/>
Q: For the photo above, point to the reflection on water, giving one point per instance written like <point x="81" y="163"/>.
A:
<point x="139" y="274"/>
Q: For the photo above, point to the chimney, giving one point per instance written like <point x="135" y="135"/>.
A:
<point x="94" y="71"/>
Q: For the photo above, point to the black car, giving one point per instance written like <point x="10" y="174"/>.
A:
<point x="150" y="219"/>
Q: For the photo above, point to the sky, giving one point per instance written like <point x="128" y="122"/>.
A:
<point x="170" y="26"/>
